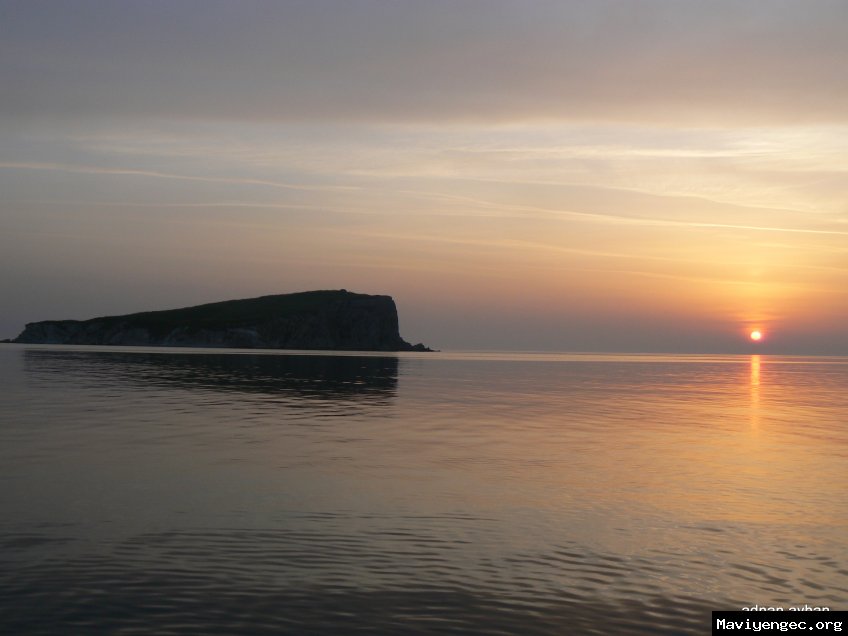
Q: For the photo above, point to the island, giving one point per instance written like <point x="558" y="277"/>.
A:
<point x="336" y="320"/>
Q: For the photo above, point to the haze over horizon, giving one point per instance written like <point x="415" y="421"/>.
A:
<point x="667" y="175"/>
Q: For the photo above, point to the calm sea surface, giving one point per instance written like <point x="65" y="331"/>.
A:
<point x="195" y="492"/>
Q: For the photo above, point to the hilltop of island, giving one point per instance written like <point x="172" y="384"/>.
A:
<point x="336" y="320"/>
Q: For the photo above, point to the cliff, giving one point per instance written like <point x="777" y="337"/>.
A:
<point x="329" y="320"/>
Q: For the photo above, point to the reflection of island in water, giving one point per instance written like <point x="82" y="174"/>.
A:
<point x="308" y="376"/>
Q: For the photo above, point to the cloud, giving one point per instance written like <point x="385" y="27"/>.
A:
<point x="99" y="170"/>
<point x="663" y="61"/>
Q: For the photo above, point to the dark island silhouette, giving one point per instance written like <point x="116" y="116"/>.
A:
<point x="335" y="320"/>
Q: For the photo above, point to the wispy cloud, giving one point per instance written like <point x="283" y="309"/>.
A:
<point x="633" y="218"/>
<point x="100" y="170"/>
<point x="486" y="207"/>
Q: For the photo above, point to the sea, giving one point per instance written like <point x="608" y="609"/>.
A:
<point x="190" y="491"/>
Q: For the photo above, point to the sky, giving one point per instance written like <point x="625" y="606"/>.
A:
<point x="552" y="175"/>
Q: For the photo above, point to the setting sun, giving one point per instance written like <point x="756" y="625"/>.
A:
<point x="756" y="336"/>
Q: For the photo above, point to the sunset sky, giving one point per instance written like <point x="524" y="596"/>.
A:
<point x="643" y="175"/>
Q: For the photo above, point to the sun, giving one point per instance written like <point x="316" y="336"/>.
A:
<point x="756" y="336"/>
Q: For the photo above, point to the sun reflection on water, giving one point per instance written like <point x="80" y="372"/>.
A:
<point x="755" y="392"/>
